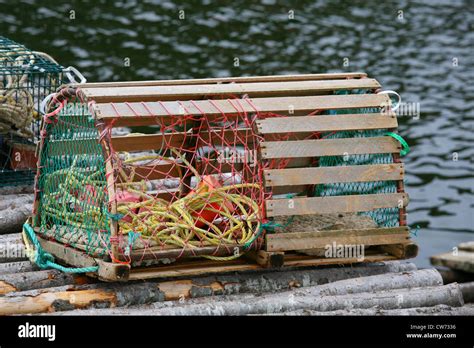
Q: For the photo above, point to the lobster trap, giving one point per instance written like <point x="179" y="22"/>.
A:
<point x="183" y="177"/>
<point x="26" y="78"/>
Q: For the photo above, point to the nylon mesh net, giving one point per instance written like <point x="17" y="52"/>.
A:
<point x="72" y="182"/>
<point x="387" y="217"/>
<point x="26" y="78"/>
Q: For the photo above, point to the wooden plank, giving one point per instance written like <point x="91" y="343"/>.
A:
<point x="283" y="190"/>
<point x="198" y="268"/>
<point x="329" y="147"/>
<point x="334" y="204"/>
<point x="112" y="272"/>
<point x="66" y="254"/>
<point x="133" y="142"/>
<point x="327" y="175"/>
<point x="151" y="112"/>
<point x="461" y="261"/>
<point x="153" y="172"/>
<point x="112" y="203"/>
<point x="214" y="167"/>
<point x="140" y="142"/>
<point x="204" y="91"/>
<point x="292" y="261"/>
<point x="321" y="239"/>
<point x="173" y="253"/>
<point x="224" y="80"/>
<point x="266" y="259"/>
<point x="324" y="123"/>
<point x="191" y="268"/>
<point x="402" y="251"/>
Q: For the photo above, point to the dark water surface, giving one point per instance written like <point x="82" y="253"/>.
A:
<point x="422" y="49"/>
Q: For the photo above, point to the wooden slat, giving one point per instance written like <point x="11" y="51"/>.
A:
<point x="461" y="261"/>
<point x="192" y="268"/>
<point x="142" y="142"/>
<point x="327" y="175"/>
<point x="223" y="80"/>
<point x="214" y="167"/>
<point x="283" y="190"/>
<point x="184" y="92"/>
<point x="320" y="239"/>
<point x="334" y="204"/>
<point x="307" y="261"/>
<point x="166" y="253"/>
<point x="318" y="123"/>
<point x="67" y="254"/>
<point x="151" y="112"/>
<point x="153" y="172"/>
<point x="329" y="147"/>
<point x="147" y="141"/>
<point x="406" y="250"/>
<point x="197" y="268"/>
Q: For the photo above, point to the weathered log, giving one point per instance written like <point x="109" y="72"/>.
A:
<point x="283" y="280"/>
<point x="454" y="276"/>
<point x="93" y="295"/>
<point x="420" y="278"/>
<point x="234" y="283"/>
<point x="14" y="210"/>
<point x="283" y="302"/>
<point x="17" y="267"/>
<point x="10" y="237"/>
<point x="435" y="310"/>
<point x="467" y="291"/>
<point x="38" y="279"/>
<point x="422" y="297"/>
<point x="17" y="189"/>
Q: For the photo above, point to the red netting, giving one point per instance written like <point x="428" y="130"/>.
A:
<point x="188" y="184"/>
<point x="200" y="187"/>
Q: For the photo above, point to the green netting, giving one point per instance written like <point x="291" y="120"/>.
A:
<point x="387" y="217"/>
<point x="72" y="182"/>
<point x="26" y="78"/>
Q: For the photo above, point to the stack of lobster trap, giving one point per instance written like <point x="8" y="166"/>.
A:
<point x="26" y="78"/>
<point x="154" y="179"/>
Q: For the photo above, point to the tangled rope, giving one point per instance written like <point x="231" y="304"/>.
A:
<point x="206" y="216"/>
<point x="76" y="197"/>
<point x="72" y="196"/>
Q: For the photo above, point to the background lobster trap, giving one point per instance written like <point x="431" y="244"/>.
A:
<point x="26" y="78"/>
<point x="217" y="175"/>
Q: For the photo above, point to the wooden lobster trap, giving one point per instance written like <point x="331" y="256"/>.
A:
<point x="183" y="177"/>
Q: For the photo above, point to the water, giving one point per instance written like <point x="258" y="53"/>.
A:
<point x="422" y="49"/>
